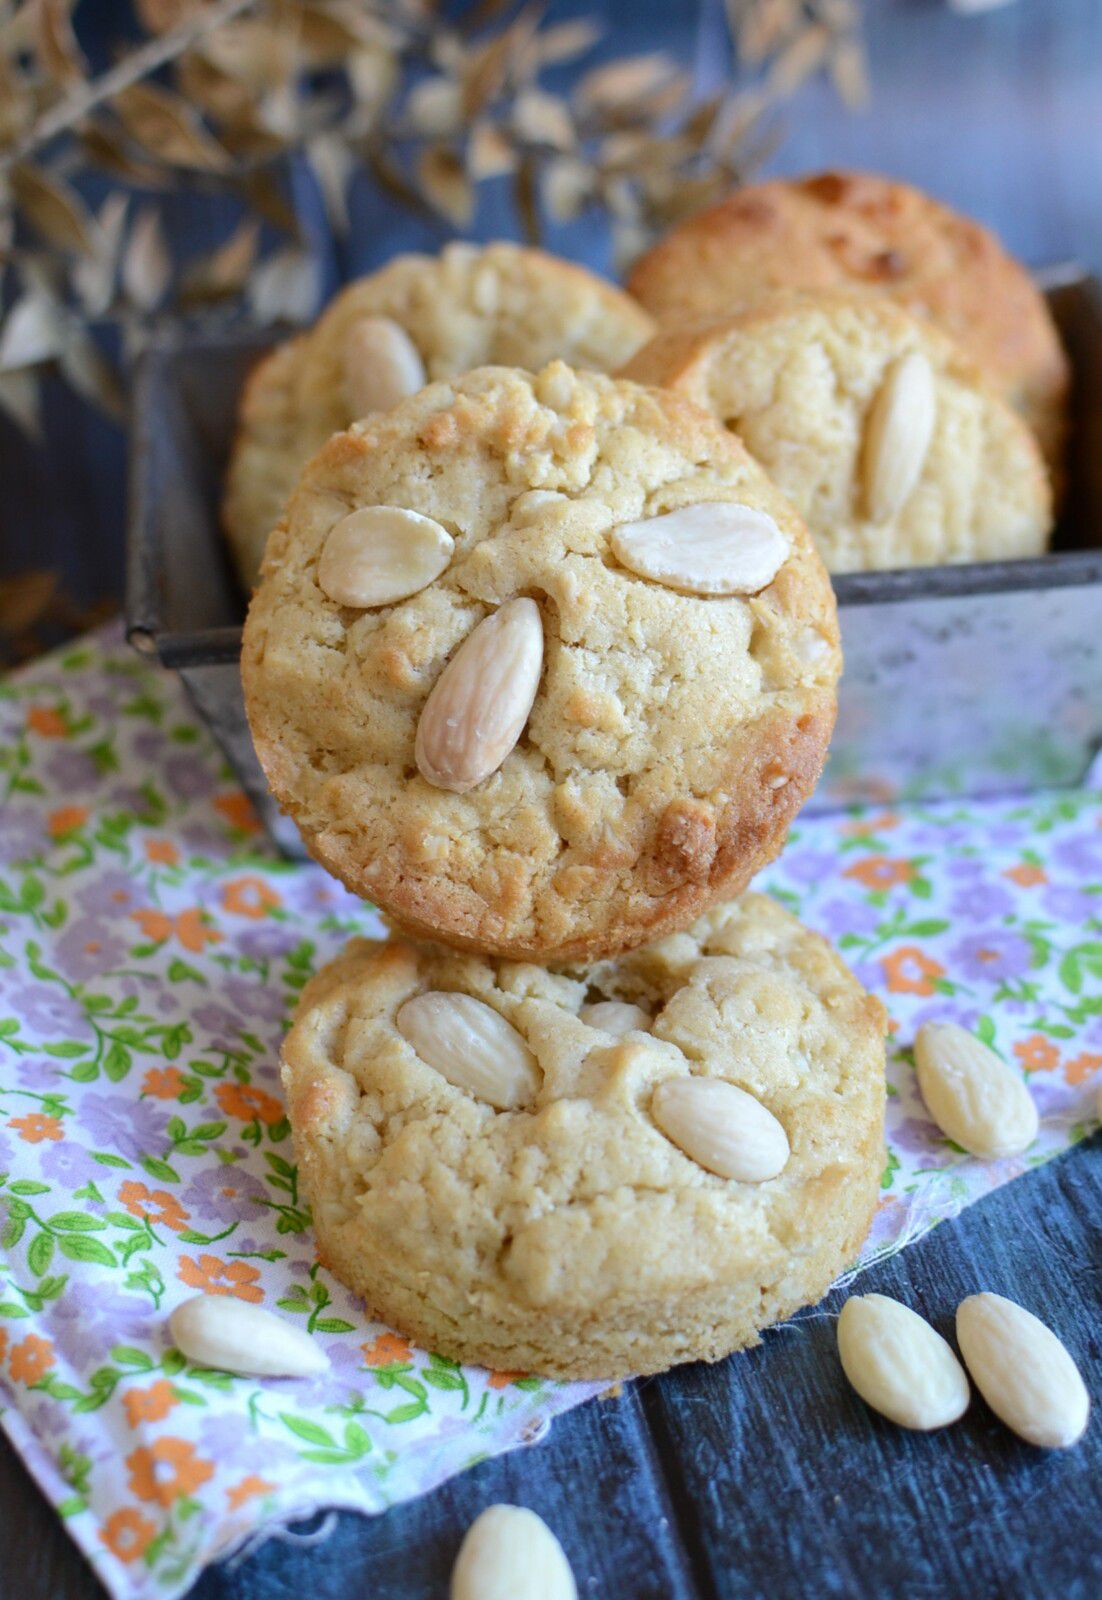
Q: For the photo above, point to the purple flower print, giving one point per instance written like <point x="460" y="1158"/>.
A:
<point x="316" y="894"/>
<point x="46" y="1009"/>
<point x="39" y="1072"/>
<point x="848" y="916"/>
<point x="269" y="941"/>
<point x="253" y="999"/>
<point x="982" y="900"/>
<point x="22" y="837"/>
<point x="226" y="1436"/>
<point x="111" y="894"/>
<point x="71" y="770"/>
<point x="918" y="1137"/>
<point x="70" y="1165"/>
<point x="7" y="1154"/>
<point x="149" y="744"/>
<point x="994" y="956"/>
<point x="225" y="1193"/>
<point x="121" y="1125"/>
<point x="129" y="798"/>
<point x="189" y="776"/>
<point x="1081" y="854"/>
<point x="88" y="947"/>
<point x="91" y="1316"/>
<point x="965" y="867"/>
<point x="809" y="867"/>
<point x="1071" y="905"/>
<point x="223" y="1025"/>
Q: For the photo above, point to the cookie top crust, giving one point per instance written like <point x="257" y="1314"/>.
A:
<point x="420" y="318"/>
<point x="571" y="1234"/>
<point x="886" y="437"/>
<point x="860" y="230"/>
<point x="669" y="737"/>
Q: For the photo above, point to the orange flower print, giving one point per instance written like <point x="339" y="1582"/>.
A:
<point x="128" y="1534"/>
<point x="869" y="825"/>
<point x="47" y="722"/>
<point x="66" y="819"/>
<point x="35" y="1127"/>
<point x="248" y="1489"/>
<point x="149" y="1405"/>
<point x="238" y="811"/>
<point x="880" y="872"/>
<point x="188" y="927"/>
<point x="250" y="897"/>
<point x="162" y="852"/>
<point x="31" y="1359"/>
<point x="163" y="1083"/>
<point x="167" y="1470"/>
<point x="387" y="1349"/>
<point x="241" y="1100"/>
<point x="908" y="971"/>
<point x="3" y="1342"/>
<point x="1037" y="1054"/>
<point x="221" y="1277"/>
<point x="154" y="1205"/>
<point x="502" y="1380"/>
<point x="1081" y="1067"/>
<point x="1025" y="875"/>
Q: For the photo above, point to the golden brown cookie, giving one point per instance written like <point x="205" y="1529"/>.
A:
<point x="883" y="434"/>
<point x="858" y="230"/>
<point x="591" y="1172"/>
<point x="544" y="665"/>
<point x="417" y="319"/>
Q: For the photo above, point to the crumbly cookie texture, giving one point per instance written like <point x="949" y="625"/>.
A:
<point x="672" y="736"/>
<point x="839" y="229"/>
<point x="572" y="1237"/>
<point x="468" y="307"/>
<point x="887" y="473"/>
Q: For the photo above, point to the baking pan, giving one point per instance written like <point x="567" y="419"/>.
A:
<point x="959" y="680"/>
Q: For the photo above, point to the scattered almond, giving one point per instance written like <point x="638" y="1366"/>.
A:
<point x="721" y="1127"/>
<point x="471" y="1045"/>
<point x="1023" y="1371"/>
<point x="511" y="1554"/>
<point x="897" y="435"/>
<point x="972" y="1095"/>
<point x="716" y="548"/>
<point x="481" y="701"/>
<point x="217" y="1331"/>
<point x="899" y="1365"/>
<point x="614" y="1016"/>
<point x="381" y="554"/>
<point x="381" y="364"/>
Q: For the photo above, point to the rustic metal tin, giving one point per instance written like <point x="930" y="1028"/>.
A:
<point x="969" y="680"/>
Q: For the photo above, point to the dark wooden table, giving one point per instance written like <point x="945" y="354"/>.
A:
<point x="763" y="1478"/>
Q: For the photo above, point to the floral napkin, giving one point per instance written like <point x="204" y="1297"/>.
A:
<point x="151" y="947"/>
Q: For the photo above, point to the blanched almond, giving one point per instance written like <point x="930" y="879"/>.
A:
<point x="511" y="1554"/>
<point x="381" y="554"/>
<point x="381" y="365"/>
<point x="1023" y="1371"/>
<point x="614" y="1016"/>
<point x="218" y="1331"/>
<point x="715" y="548"/>
<point x="721" y="1127"/>
<point x="972" y="1095"/>
<point x="481" y="701"/>
<point x="899" y="1365"/>
<point x="897" y="434"/>
<point x="471" y="1045"/>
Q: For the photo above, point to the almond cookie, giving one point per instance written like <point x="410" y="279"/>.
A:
<point x="544" y="665"/>
<point x="882" y="433"/>
<point x="418" y="319"/>
<point x="591" y="1172"/>
<point x="857" y="230"/>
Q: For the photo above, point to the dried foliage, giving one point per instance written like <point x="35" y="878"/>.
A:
<point x="241" y="98"/>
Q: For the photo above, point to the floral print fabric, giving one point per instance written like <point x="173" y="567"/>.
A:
<point x="151" y="948"/>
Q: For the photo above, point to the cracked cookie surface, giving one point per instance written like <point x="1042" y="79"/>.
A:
<point x="672" y="736"/>
<point x="468" y="307"/>
<point x="572" y="1237"/>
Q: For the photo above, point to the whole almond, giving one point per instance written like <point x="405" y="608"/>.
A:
<point x="481" y="701"/>
<point x="1023" y="1371"/>
<point x="218" y="1331"/>
<point x="897" y="434"/>
<point x="471" y="1045"/>
<point x="381" y="554"/>
<point x="899" y="1365"/>
<point x="614" y="1016"/>
<point x="721" y="1127"/>
<point x="381" y="365"/>
<point x="509" y="1553"/>
<point x="972" y="1095"/>
<point x="715" y="548"/>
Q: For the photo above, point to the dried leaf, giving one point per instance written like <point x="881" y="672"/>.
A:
<point x="164" y="124"/>
<point x="526" y="196"/>
<point x="264" y="191"/>
<point x="108" y="150"/>
<point x="220" y="273"/>
<point x="543" y="119"/>
<point x="849" y="73"/>
<point x="795" y="64"/>
<point x="93" y="275"/>
<point x="21" y="400"/>
<point x="55" y="43"/>
<point x="91" y="374"/>
<point x="285" y="287"/>
<point x="621" y="83"/>
<point x="566" y="41"/>
<point x="25" y="599"/>
<point x="146" y="263"/>
<point x="568" y="187"/>
<point x="445" y="184"/>
<point x="333" y="166"/>
<point x="489" y="152"/>
<point x="434" y="107"/>
<point x="33" y="331"/>
<point x="52" y="207"/>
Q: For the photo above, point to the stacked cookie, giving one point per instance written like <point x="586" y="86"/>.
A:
<point x="543" y="664"/>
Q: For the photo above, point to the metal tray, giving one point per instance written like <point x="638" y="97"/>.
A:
<point x="966" y="680"/>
